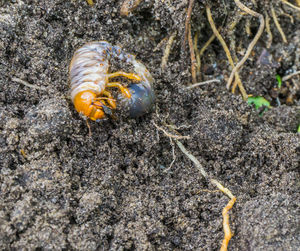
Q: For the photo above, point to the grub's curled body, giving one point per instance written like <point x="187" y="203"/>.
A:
<point x="90" y="80"/>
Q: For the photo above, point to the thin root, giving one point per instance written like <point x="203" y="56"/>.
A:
<point x="170" y="135"/>
<point x="203" y="83"/>
<point x="218" y="35"/>
<point x="278" y="25"/>
<point x="287" y="77"/>
<point x="192" y="53"/>
<point x="89" y="127"/>
<point x="226" y="226"/>
<point x="202" y="50"/>
<point x="291" y="5"/>
<point x="251" y="45"/>
<point x="188" y="20"/>
<point x="23" y="82"/>
<point x="165" y="57"/>
<point x="268" y="29"/>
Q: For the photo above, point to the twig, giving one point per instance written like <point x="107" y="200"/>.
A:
<point x="203" y="83"/>
<point x="218" y="35"/>
<point x="192" y="53"/>
<point x="252" y="44"/>
<point x="23" y="82"/>
<point x="165" y="57"/>
<point x="287" y="77"/>
<point x="278" y="25"/>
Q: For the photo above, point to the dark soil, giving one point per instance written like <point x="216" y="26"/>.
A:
<point x="61" y="189"/>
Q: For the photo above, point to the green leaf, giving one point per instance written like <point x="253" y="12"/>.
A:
<point x="278" y="78"/>
<point x="258" y="102"/>
<point x="298" y="129"/>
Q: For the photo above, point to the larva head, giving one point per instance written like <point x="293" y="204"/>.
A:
<point x="84" y="103"/>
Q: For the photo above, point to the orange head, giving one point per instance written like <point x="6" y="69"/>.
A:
<point x="84" y="103"/>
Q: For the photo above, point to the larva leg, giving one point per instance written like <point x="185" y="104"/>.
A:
<point x="123" y="89"/>
<point x="111" y="101"/>
<point x="104" y="101"/>
<point x="124" y="74"/>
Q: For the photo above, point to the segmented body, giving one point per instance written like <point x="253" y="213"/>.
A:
<point x="89" y="80"/>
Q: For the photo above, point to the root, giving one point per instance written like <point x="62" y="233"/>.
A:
<point x="218" y="35"/>
<point x="269" y="32"/>
<point x="197" y="53"/>
<point x="192" y="53"/>
<point x="165" y="57"/>
<point x="285" y="78"/>
<point x="20" y="81"/>
<point x="202" y="50"/>
<point x="203" y="83"/>
<point x="226" y="226"/>
<point x="170" y="135"/>
<point x="252" y="44"/>
<point x="291" y="5"/>
<point x="188" y="20"/>
<point x="278" y="25"/>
